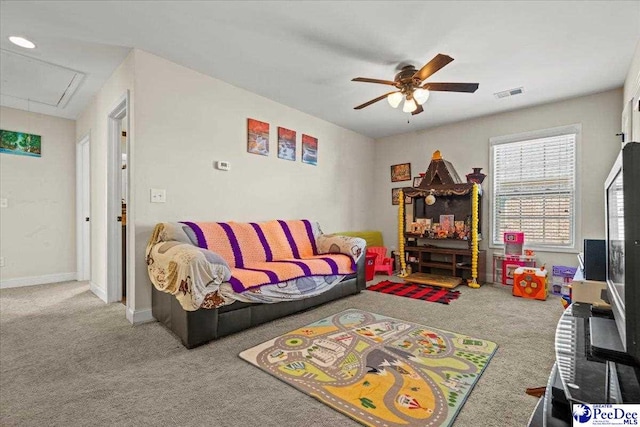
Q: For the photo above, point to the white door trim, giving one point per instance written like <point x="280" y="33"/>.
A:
<point x="83" y="200"/>
<point x="114" y="208"/>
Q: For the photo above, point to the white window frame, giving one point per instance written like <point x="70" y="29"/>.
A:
<point x="544" y="133"/>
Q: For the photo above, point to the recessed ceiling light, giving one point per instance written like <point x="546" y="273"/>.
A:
<point x="22" y="42"/>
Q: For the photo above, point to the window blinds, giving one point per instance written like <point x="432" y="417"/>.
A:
<point x="534" y="190"/>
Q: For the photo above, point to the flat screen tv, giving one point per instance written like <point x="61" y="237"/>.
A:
<point x="622" y="209"/>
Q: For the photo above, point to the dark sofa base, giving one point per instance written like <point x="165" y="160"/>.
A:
<point x="198" y="327"/>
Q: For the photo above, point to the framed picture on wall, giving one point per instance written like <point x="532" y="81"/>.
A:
<point x="257" y="137"/>
<point x="286" y="144"/>
<point x="309" y="150"/>
<point x="417" y="181"/>
<point x="401" y="172"/>
<point x="408" y="200"/>
<point x="23" y="144"/>
<point x="394" y="196"/>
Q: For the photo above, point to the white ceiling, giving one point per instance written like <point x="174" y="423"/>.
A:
<point x="304" y="54"/>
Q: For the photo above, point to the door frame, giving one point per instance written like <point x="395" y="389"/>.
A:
<point x="114" y="207"/>
<point x="83" y="198"/>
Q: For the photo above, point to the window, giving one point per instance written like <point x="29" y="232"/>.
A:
<point x="534" y="187"/>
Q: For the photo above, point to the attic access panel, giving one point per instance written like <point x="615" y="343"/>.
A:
<point x="38" y="81"/>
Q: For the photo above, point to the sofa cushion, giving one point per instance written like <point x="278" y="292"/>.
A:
<point x="372" y="237"/>
<point x="271" y="272"/>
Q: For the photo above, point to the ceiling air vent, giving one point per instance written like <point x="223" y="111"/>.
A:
<point x="510" y="92"/>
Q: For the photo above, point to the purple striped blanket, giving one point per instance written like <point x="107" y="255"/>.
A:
<point x="268" y="252"/>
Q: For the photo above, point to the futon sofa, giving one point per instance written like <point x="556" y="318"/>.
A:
<point x="213" y="279"/>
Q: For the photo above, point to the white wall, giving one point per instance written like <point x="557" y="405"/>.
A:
<point x="185" y="121"/>
<point x="466" y="145"/>
<point x="632" y="89"/>
<point x="632" y="81"/>
<point x="93" y="120"/>
<point x="38" y="226"/>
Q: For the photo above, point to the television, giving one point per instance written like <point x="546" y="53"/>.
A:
<point x="622" y="213"/>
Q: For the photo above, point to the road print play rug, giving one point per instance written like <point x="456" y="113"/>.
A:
<point x="378" y="370"/>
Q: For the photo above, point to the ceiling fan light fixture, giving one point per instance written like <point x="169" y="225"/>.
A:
<point x="421" y="95"/>
<point x="395" y="99"/>
<point x="22" y="42"/>
<point x="410" y="83"/>
<point x="409" y="106"/>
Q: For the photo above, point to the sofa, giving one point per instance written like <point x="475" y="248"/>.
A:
<point x="212" y="279"/>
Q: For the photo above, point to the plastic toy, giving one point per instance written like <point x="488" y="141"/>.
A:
<point x="530" y="283"/>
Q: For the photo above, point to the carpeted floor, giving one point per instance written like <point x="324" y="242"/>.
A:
<point x="67" y="359"/>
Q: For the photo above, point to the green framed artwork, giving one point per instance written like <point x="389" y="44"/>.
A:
<point x="23" y="144"/>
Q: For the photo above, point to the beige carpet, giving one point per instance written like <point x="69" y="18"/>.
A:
<point x="66" y="358"/>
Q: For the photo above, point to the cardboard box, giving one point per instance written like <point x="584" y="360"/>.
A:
<point x="588" y="291"/>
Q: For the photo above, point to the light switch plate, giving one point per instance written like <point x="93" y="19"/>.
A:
<point x="1" y="261"/>
<point x="4" y="203"/>
<point x="158" y="195"/>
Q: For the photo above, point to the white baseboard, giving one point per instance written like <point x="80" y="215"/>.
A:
<point x="98" y="291"/>
<point x="139" y="316"/>
<point x="38" y="280"/>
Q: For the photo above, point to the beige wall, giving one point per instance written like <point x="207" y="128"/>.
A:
<point x="37" y="228"/>
<point x="466" y="145"/>
<point x="185" y="121"/>
<point x="93" y="121"/>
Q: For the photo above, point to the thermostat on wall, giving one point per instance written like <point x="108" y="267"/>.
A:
<point x="223" y="165"/>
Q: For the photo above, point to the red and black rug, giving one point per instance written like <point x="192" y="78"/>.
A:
<point x="423" y="292"/>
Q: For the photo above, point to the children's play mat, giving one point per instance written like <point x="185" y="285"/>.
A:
<point x="378" y="370"/>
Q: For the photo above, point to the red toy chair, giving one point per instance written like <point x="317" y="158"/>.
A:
<point x="383" y="263"/>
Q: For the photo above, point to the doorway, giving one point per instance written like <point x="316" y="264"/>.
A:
<point x="117" y="195"/>
<point x="83" y="208"/>
<point x="124" y="199"/>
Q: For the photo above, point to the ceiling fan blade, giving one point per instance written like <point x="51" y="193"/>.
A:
<point x="368" y="80"/>
<point x="418" y="110"/>
<point x="432" y="66"/>
<point x="451" y="87"/>
<point x="373" y="101"/>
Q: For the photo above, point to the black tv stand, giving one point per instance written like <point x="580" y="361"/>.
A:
<point x="581" y="375"/>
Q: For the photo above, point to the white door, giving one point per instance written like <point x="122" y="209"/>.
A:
<point x="83" y="199"/>
<point x="116" y="266"/>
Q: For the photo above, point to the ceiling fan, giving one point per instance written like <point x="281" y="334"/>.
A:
<point x="410" y="87"/>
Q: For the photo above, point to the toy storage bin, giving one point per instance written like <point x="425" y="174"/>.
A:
<point x="530" y="283"/>
<point x="369" y="266"/>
